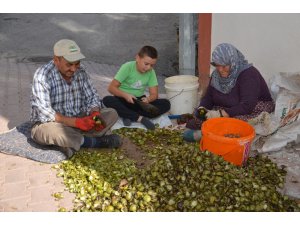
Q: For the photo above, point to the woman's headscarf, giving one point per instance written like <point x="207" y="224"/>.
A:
<point x="226" y="54"/>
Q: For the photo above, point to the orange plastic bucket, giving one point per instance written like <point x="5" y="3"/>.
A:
<point x="228" y="137"/>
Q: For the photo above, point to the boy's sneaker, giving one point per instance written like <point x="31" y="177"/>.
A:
<point x="109" y="141"/>
<point x="148" y="124"/>
<point x="126" y="122"/>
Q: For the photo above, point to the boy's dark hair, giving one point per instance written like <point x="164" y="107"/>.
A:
<point x="148" y="51"/>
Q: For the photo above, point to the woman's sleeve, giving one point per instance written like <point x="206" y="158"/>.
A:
<point x="249" y="90"/>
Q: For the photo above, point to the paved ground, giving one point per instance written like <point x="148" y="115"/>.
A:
<point x="26" y="185"/>
<point x="109" y="38"/>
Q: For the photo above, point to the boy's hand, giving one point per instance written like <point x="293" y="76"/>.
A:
<point x="85" y="123"/>
<point x="129" y="98"/>
<point x="145" y="99"/>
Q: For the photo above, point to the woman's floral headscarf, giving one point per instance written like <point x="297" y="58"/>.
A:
<point x="226" y="54"/>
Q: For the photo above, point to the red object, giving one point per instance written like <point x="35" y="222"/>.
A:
<point x="99" y="127"/>
<point x="85" y="123"/>
<point x="99" y="122"/>
<point x="95" y="113"/>
<point x="215" y="138"/>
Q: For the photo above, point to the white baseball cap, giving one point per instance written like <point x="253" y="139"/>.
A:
<point x="68" y="49"/>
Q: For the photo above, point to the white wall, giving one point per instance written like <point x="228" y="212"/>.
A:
<point x="270" y="41"/>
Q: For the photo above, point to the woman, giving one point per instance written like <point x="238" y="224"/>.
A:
<point x="236" y="89"/>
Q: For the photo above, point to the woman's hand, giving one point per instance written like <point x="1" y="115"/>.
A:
<point x="224" y="113"/>
<point x="216" y="114"/>
<point x="213" y="114"/>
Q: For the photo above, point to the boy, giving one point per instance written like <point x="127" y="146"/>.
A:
<point x="128" y="90"/>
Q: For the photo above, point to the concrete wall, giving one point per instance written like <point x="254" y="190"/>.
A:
<point x="270" y="41"/>
<point x="104" y="38"/>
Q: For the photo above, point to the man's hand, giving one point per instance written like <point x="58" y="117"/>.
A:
<point x="99" y="121"/>
<point x="85" y="123"/>
<point x="95" y="113"/>
<point x="213" y="114"/>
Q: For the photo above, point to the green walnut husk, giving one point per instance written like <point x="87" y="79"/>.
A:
<point x="179" y="178"/>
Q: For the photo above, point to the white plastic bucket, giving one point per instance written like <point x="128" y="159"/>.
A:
<point x="182" y="91"/>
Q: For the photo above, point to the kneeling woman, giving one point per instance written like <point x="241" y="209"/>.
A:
<point x="236" y="89"/>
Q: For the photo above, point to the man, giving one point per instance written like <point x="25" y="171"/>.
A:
<point x="65" y="107"/>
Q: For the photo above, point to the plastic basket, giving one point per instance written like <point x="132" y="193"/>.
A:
<point x="215" y="139"/>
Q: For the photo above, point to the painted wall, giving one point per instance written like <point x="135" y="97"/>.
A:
<point x="270" y="41"/>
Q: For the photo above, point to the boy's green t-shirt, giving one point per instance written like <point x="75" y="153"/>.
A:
<point x="134" y="82"/>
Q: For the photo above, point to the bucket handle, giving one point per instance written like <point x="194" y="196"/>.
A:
<point x="176" y="94"/>
<point x="182" y="90"/>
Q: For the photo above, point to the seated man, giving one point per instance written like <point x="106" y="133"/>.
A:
<point x="65" y="107"/>
<point x="128" y="88"/>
